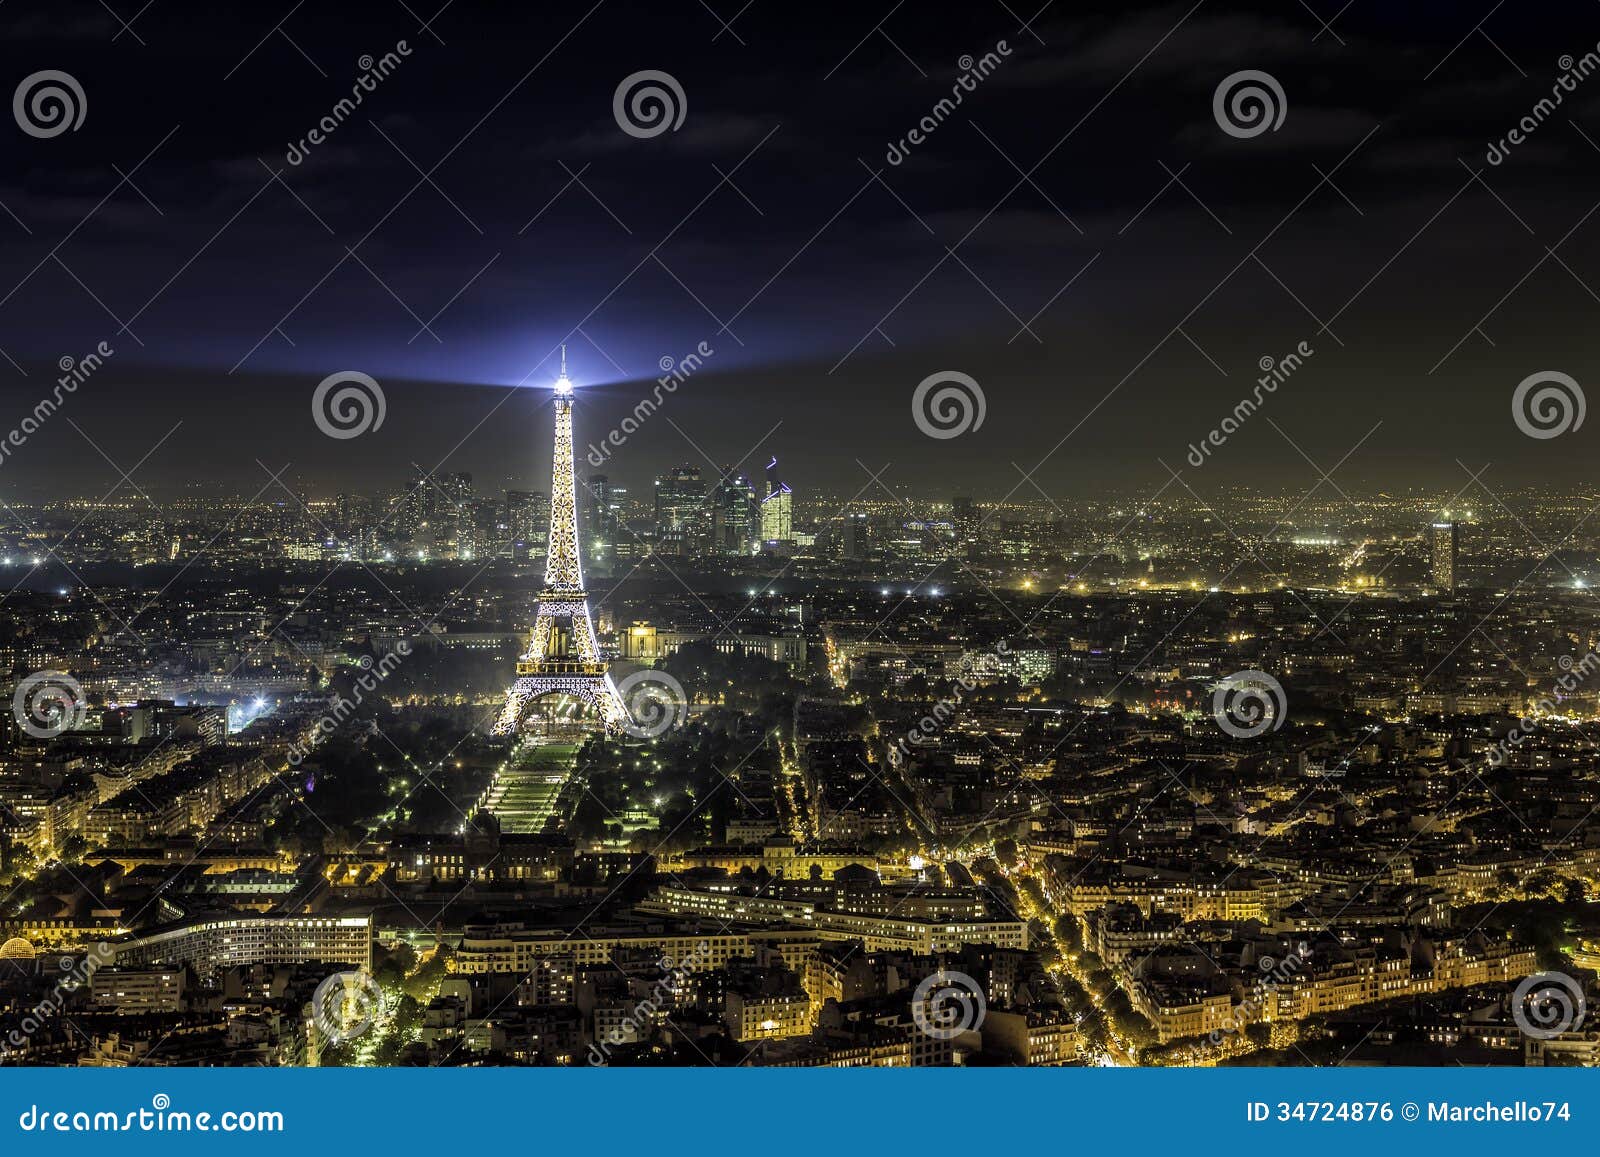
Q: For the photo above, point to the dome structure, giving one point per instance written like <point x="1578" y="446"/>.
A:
<point x="17" y="949"/>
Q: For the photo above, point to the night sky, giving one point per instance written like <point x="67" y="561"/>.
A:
<point x="496" y="208"/>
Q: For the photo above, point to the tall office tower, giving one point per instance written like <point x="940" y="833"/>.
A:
<point x="454" y="518"/>
<point x="777" y="508"/>
<point x="1446" y="543"/>
<point x="351" y="513"/>
<point x="964" y="519"/>
<point x="527" y="516"/>
<point x="620" y="538"/>
<point x="683" y="521"/>
<point x="563" y="655"/>
<point x="853" y="535"/>
<point x="414" y="507"/>
<point x="594" y="500"/>
<point x="478" y="529"/>
<point x="453" y="488"/>
<point x="539" y="519"/>
<point x="733" y="515"/>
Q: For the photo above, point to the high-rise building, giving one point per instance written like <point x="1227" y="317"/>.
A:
<point x="733" y="515"/>
<point x="683" y="520"/>
<point x="853" y="535"/>
<point x="1446" y="553"/>
<point x="964" y="519"/>
<point x="777" y="508"/>
<point x="419" y="508"/>
<point x="527" y="516"/>
<point x="602" y="521"/>
<point x="351" y="513"/>
<point x="477" y="529"/>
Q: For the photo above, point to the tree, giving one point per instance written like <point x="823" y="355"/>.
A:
<point x="1070" y="932"/>
<point x="423" y="984"/>
<point x="394" y="965"/>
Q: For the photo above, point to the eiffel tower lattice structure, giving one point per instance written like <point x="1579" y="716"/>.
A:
<point x="563" y="656"/>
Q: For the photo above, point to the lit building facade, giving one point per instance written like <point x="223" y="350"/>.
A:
<point x="1445" y="554"/>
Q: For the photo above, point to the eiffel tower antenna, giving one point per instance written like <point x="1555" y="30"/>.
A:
<point x="562" y="655"/>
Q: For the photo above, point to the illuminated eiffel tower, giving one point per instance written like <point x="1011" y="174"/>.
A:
<point x="562" y="656"/>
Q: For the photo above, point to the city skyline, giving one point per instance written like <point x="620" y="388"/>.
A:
<point x="1160" y="291"/>
<point x="671" y="536"/>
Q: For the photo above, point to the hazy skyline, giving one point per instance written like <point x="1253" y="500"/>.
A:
<point x="495" y="198"/>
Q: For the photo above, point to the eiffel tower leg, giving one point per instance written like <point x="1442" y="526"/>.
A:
<point x="517" y="698"/>
<point x="609" y="705"/>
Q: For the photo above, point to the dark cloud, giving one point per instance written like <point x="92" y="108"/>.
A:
<point x="839" y="285"/>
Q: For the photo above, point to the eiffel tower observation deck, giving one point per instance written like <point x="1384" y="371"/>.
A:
<point x="562" y="656"/>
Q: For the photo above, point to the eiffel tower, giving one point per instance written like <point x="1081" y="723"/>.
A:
<point x="563" y="656"/>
